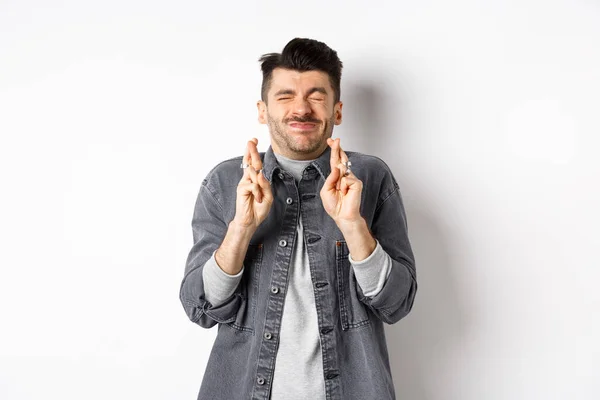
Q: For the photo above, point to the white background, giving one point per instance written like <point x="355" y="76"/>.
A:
<point x="112" y="113"/>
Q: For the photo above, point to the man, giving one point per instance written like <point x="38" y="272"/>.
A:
<point x="302" y="253"/>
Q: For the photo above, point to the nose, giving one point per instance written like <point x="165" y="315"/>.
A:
<point x="301" y="106"/>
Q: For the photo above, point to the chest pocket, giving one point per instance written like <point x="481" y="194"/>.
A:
<point x="244" y="319"/>
<point x="353" y="312"/>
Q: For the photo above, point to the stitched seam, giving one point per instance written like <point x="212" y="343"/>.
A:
<point x="396" y="188"/>
<point x="195" y="306"/>
<point x="212" y="194"/>
<point x="342" y="297"/>
<point x="345" y="314"/>
<point x="386" y="312"/>
<point x="208" y="313"/>
<point x="240" y="328"/>
<point x="359" y="324"/>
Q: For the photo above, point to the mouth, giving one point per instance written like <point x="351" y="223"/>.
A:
<point x="302" y="126"/>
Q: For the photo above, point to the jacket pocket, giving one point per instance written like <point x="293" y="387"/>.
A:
<point x="353" y="312"/>
<point x="244" y="319"/>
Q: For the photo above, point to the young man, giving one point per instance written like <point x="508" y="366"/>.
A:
<point x="300" y="253"/>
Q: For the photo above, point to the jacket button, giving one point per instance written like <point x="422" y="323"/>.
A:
<point x="267" y="336"/>
<point x="260" y="381"/>
<point x="281" y="176"/>
<point x="274" y="290"/>
<point x="282" y="243"/>
<point x="289" y="200"/>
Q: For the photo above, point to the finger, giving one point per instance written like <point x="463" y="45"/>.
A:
<point x="351" y="182"/>
<point x="251" y="189"/>
<point x="344" y="170"/>
<point x="250" y="145"/>
<point x="246" y="161"/>
<point x="334" y="159"/>
<point x="258" y="196"/>
<point x="254" y="156"/>
<point x="341" y="171"/>
<point x="347" y="182"/>
<point x="344" y="160"/>
<point x="245" y="176"/>
<point x="253" y="174"/>
<point x="249" y="175"/>
<point x="344" y="185"/>
<point x="265" y="187"/>
<point x="343" y="156"/>
<point x="332" y="180"/>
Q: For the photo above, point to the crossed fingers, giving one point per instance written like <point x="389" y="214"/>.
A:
<point x="339" y="160"/>
<point x="252" y="181"/>
<point x="252" y="162"/>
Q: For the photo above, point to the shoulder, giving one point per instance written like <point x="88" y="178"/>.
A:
<point x="372" y="169"/>
<point x="224" y="177"/>
<point x="376" y="176"/>
<point x="226" y="167"/>
<point x="368" y="160"/>
<point x="224" y="172"/>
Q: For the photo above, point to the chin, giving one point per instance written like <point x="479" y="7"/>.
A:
<point x="308" y="148"/>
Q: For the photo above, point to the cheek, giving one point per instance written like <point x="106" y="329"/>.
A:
<point x="276" y="113"/>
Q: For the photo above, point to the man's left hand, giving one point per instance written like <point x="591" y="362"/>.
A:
<point x="342" y="190"/>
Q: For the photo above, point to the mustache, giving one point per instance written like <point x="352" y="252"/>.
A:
<point x="302" y="120"/>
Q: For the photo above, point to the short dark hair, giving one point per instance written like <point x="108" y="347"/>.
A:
<point x="303" y="55"/>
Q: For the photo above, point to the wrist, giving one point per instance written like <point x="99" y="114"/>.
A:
<point x="230" y="254"/>
<point x="241" y="230"/>
<point x="352" y="226"/>
<point x="359" y="239"/>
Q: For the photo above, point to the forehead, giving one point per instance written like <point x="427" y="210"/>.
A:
<point x="291" y="79"/>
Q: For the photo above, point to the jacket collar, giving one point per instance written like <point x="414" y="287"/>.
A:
<point x="271" y="166"/>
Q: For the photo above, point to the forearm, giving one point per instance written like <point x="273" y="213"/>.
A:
<point x="230" y="255"/>
<point x="359" y="239"/>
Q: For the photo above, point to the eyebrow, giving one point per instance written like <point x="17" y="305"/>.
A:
<point x="311" y="91"/>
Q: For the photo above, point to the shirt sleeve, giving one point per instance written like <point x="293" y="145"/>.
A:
<point x="218" y="284"/>
<point x="372" y="272"/>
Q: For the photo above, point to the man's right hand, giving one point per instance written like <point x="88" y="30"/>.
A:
<point x="252" y="204"/>
<point x="254" y="196"/>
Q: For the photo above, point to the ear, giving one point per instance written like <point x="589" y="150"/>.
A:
<point x="262" y="111"/>
<point x="337" y="112"/>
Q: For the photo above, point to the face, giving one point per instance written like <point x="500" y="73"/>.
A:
<point x="300" y="112"/>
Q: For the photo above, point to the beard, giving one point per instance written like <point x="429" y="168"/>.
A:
<point x="306" y="143"/>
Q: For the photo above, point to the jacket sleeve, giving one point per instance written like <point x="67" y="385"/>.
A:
<point x="209" y="229"/>
<point x="390" y="228"/>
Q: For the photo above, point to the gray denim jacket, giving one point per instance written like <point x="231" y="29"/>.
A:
<point x="354" y="351"/>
